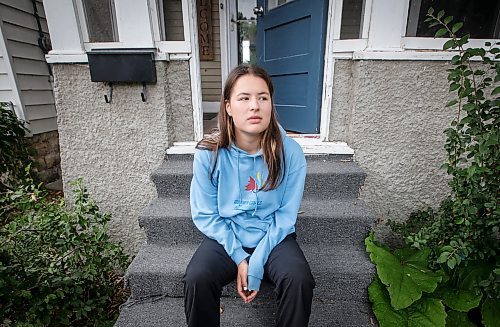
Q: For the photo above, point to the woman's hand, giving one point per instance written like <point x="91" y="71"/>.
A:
<point x="242" y="283"/>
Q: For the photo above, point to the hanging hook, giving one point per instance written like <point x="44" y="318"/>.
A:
<point x="109" y="98"/>
<point x="143" y="93"/>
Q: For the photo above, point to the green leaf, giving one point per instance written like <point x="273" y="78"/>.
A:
<point x="459" y="300"/>
<point x="426" y="312"/>
<point x="464" y="39"/>
<point x="405" y="272"/>
<point x="455" y="60"/>
<point x="469" y="106"/>
<point x="441" y="32"/>
<point x="456" y="27"/>
<point x="448" y="19"/>
<point x="443" y="257"/>
<point x="430" y="11"/>
<point x="456" y="318"/>
<point x="462" y="292"/>
<point x="452" y="262"/>
<point x="440" y="14"/>
<point x="451" y="103"/>
<point x="448" y="44"/>
<point x="490" y="313"/>
<point x="385" y="313"/>
<point x="453" y="87"/>
<point x="496" y="90"/>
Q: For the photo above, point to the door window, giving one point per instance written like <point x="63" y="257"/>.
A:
<point x="271" y="4"/>
<point x="247" y="32"/>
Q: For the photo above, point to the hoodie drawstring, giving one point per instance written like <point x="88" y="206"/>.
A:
<point x="256" y="190"/>
<point x="239" y="181"/>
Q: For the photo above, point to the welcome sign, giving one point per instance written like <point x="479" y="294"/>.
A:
<point x="204" y="8"/>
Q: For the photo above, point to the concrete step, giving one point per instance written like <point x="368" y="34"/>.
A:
<point x="342" y="221"/>
<point x="169" y="312"/>
<point x="327" y="178"/>
<point x="341" y="272"/>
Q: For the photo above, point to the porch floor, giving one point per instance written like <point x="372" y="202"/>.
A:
<point x="209" y="122"/>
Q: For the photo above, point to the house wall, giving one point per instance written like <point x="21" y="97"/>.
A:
<point x="392" y="114"/>
<point x="20" y="30"/>
<point x="116" y="146"/>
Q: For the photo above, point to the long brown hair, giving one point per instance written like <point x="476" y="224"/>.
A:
<point x="271" y="142"/>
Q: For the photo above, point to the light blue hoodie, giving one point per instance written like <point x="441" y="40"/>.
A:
<point x="233" y="211"/>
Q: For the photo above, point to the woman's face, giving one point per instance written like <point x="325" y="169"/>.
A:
<point x="250" y="106"/>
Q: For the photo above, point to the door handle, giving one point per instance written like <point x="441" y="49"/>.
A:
<point x="258" y="11"/>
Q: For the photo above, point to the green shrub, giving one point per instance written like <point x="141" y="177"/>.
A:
<point x="57" y="265"/>
<point x="14" y="150"/>
<point x="449" y="271"/>
<point x="406" y="292"/>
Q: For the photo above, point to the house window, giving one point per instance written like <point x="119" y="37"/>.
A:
<point x="481" y="18"/>
<point x="352" y="17"/>
<point x="101" y="22"/>
<point x="172" y="26"/>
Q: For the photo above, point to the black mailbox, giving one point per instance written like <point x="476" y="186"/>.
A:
<point x="122" y="65"/>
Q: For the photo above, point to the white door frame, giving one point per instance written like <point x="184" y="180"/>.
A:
<point x="328" y="72"/>
<point x="229" y="58"/>
<point x="228" y="37"/>
<point x="228" y="45"/>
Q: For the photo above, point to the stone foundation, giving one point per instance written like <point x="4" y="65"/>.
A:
<point x="47" y="158"/>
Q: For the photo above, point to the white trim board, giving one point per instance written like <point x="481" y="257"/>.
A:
<point x="12" y="77"/>
<point x="397" y="55"/>
<point x="194" y="68"/>
<point x="328" y="72"/>
<point x="309" y="146"/>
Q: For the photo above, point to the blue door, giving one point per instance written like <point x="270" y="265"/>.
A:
<point x="290" y="46"/>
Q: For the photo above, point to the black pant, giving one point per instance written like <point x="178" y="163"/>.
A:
<point x="211" y="268"/>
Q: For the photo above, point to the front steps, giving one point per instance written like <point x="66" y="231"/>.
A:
<point x="331" y="227"/>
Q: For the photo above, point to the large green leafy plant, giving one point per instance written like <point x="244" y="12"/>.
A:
<point x="449" y="271"/>
<point x="57" y="265"/>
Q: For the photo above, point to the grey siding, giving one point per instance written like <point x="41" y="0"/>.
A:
<point x="174" y="27"/>
<point x="21" y="32"/>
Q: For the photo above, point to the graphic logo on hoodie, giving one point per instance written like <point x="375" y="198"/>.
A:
<point x="253" y="185"/>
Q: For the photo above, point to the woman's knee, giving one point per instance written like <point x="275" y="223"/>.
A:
<point x="300" y="277"/>
<point x="195" y="277"/>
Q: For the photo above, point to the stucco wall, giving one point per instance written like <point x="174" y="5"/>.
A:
<point x="116" y="146"/>
<point x="392" y="114"/>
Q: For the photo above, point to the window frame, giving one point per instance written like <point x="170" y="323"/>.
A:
<point x="169" y="47"/>
<point x="430" y="43"/>
<point x="84" y="27"/>
<point x="418" y="48"/>
<point x="348" y="45"/>
<point x="166" y="50"/>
